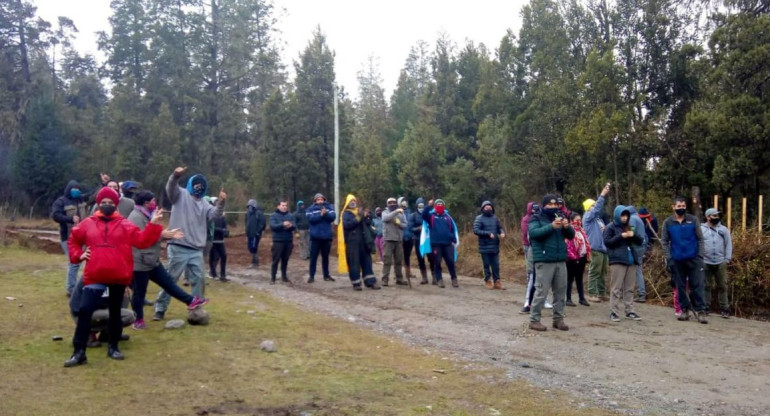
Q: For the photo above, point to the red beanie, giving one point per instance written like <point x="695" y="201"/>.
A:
<point x="107" y="193"/>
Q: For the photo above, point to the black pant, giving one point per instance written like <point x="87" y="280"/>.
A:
<point x="217" y="253"/>
<point x="575" y="270"/>
<point x="160" y="276"/>
<point x="491" y="262"/>
<point x="323" y="247"/>
<point x="281" y="253"/>
<point x="359" y="264"/>
<point x="692" y="271"/>
<point x="447" y="252"/>
<point x="89" y="302"/>
<point x="408" y="246"/>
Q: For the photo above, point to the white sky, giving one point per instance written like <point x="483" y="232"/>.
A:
<point x="355" y="29"/>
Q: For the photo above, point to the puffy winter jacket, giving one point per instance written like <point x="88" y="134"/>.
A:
<point x="483" y="226"/>
<point x="321" y="225"/>
<point x="281" y="234"/>
<point x="547" y="242"/>
<point x="621" y="250"/>
<point x="110" y="240"/>
<point x="682" y="241"/>
<point x="65" y="207"/>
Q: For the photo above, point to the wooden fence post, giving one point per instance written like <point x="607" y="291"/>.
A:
<point x="743" y="216"/>
<point x="729" y="213"/>
<point x="759" y="218"/>
<point x="716" y="202"/>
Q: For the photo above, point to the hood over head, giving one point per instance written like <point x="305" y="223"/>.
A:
<point x="194" y="180"/>
<point x="620" y="210"/>
<point x="485" y="203"/>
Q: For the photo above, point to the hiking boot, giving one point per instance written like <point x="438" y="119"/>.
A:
<point x="560" y="325"/>
<point x="525" y="309"/>
<point x="684" y="316"/>
<point x="594" y="299"/>
<point x="634" y="316"/>
<point x="357" y="287"/>
<point x="197" y="303"/>
<point x="455" y="284"/>
<point x="641" y="299"/>
<point x="402" y="283"/>
<point x="570" y="303"/>
<point x="441" y="283"/>
<point x="158" y="316"/>
<point x="139" y="324"/>
<point x="311" y="280"/>
<point x="488" y="284"/>
<point x="78" y="358"/>
<point x="424" y="275"/>
<point x="385" y="281"/>
<point x="725" y="314"/>
<point x="584" y="302"/>
<point x="537" y="326"/>
<point x="702" y="317"/>
<point x="329" y="279"/>
<point x="498" y="285"/>
<point x="614" y="317"/>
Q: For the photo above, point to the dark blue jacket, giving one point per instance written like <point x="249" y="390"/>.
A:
<point x="65" y="207"/>
<point x="442" y="231"/>
<point x="682" y="241"/>
<point x="414" y="220"/>
<point x="320" y="225"/>
<point x="281" y="234"/>
<point x="621" y="250"/>
<point x="485" y="225"/>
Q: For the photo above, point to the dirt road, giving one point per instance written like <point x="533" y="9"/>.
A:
<point x="655" y="366"/>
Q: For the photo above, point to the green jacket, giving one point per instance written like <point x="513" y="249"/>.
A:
<point x="548" y="245"/>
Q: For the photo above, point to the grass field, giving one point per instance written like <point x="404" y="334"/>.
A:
<point x="323" y="366"/>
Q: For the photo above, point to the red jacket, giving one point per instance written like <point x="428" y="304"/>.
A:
<point x="110" y="241"/>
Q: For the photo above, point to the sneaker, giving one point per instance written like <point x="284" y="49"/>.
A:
<point x="441" y="283"/>
<point x="641" y="299"/>
<point x="725" y="314"/>
<point x="684" y="316"/>
<point x="702" y="317"/>
<point x="402" y="283"/>
<point x="537" y="326"/>
<point x="594" y="299"/>
<point x="498" y="285"/>
<point x="614" y="317"/>
<point x="455" y="284"/>
<point x="560" y="325"/>
<point x="197" y="302"/>
<point x="570" y="303"/>
<point x="329" y="279"/>
<point x="158" y="316"/>
<point x="634" y="316"/>
<point x="357" y="287"/>
<point x="311" y="280"/>
<point x="148" y="302"/>
<point x="584" y="302"/>
<point x="488" y="284"/>
<point x="548" y="305"/>
<point x="139" y="324"/>
<point x="525" y="309"/>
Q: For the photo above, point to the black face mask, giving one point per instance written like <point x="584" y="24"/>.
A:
<point x="107" y="210"/>
<point x="714" y="221"/>
<point x="128" y="194"/>
<point x="392" y="207"/>
<point x="680" y="211"/>
<point x="487" y="213"/>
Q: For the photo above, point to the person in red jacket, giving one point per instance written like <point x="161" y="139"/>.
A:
<point x="107" y="238"/>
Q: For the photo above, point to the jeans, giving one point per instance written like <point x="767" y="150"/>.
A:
<point x="550" y="276"/>
<point x="689" y="271"/>
<point x="217" y="253"/>
<point x="160" y="276"/>
<point x="322" y="247"/>
<point x="447" y="252"/>
<point x="183" y="259"/>
<point x="281" y="252"/>
<point x="491" y="264"/>
<point x="89" y="301"/>
<point x="72" y="270"/>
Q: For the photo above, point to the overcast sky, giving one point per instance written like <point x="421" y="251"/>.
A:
<point x="355" y="29"/>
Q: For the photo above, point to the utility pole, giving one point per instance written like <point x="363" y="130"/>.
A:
<point x="336" y="158"/>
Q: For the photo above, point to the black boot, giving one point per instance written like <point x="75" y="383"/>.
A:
<point x="114" y="353"/>
<point x="78" y="358"/>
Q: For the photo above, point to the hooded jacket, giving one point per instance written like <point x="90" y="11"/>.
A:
<point x="110" y="240"/>
<point x="441" y="227"/>
<point x="548" y="243"/>
<point x="485" y="225"/>
<point x="352" y="231"/>
<point x="190" y="214"/>
<point x="637" y="224"/>
<point x="148" y="258"/>
<point x="281" y="234"/>
<point x="525" y="224"/>
<point x="718" y="244"/>
<point x="415" y="220"/>
<point x="65" y="207"/>
<point x="408" y="233"/>
<point x="300" y="217"/>
<point x="593" y="225"/>
<point x="321" y="225"/>
<point x="393" y="225"/>
<point x="621" y="250"/>
<point x="255" y="220"/>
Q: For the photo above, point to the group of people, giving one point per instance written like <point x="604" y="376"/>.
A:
<point x="120" y="243"/>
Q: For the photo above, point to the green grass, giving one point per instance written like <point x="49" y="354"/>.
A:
<point x="323" y="366"/>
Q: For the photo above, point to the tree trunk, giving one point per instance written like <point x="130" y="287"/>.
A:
<point x="697" y="208"/>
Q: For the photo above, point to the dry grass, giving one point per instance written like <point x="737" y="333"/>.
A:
<point x="323" y="366"/>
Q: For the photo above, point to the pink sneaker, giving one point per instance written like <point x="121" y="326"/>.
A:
<point x="197" y="302"/>
<point x="139" y="324"/>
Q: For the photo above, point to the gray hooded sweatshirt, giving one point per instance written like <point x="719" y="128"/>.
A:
<point x="190" y="214"/>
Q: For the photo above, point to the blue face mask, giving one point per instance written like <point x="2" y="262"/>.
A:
<point x="75" y="193"/>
